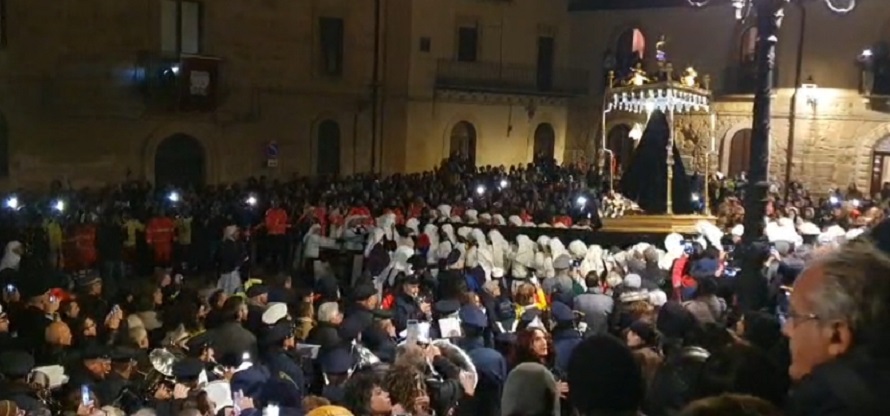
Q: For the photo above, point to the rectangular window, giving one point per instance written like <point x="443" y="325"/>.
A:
<point x="467" y="44"/>
<point x="331" y="36"/>
<point x="425" y="44"/>
<point x="190" y="22"/>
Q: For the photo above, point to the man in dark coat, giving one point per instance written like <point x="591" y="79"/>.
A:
<point x="231" y="337"/>
<point x="407" y="307"/>
<point x="360" y="324"/>
<point x="565" y="336"/>
<point x="287" y="383"/>
<point x="491" y="367"/>
<point x="15" y="367"/>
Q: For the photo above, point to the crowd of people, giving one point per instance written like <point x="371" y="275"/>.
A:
<point x="400" y="295"/>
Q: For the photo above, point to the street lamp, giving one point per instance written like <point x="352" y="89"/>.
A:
<point x="752" y="293"/>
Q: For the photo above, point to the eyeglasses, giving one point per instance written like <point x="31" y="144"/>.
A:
<point x="799" y="318"/>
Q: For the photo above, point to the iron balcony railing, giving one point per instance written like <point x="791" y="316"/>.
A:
<point x="511" y="78"/>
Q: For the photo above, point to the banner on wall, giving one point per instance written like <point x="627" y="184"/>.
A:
<point x="200" y="83"/>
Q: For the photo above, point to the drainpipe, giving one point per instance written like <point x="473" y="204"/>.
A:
<point x="798" y="78"/>
<point x="375" y="86"/>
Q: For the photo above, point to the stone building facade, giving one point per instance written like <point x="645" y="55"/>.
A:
<point x="276" y="87"/>
<point x="838" y="128"/>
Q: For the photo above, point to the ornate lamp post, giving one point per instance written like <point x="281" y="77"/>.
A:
<point x="768" y="15"/>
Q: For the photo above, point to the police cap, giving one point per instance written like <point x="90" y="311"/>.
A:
<point x="188" y="369"/>
<point x="447" y="307"/>
<point x="16" y="364"/>
<point x="197" y="344"/>
<point x="473" y="316"/>
<point x="277" y="333"/>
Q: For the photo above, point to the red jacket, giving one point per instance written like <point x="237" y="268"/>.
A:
<point x="680" y="280"/>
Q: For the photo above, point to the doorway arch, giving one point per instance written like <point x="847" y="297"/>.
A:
<point x="180" y="161"/>
<point x="4" y="147"/>
<point x="880" y="165"/>
<point x="463" y="141"/>
<point x="739" y="152"/>
<point x="328" y="148"/>
<point x="622" y="147"/>
<point x="545" y="142"/>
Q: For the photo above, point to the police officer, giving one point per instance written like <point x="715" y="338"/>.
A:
<point x="200" y="346"/>
<point x="491" y="367"/>
<point x="245" y="375"/>
<point x="359" y="323"/>
<point x="257" y="300"/>
<point x="287" y="382"/>
<point x="94" y="367"/>
<point x="15" y="367"/>
<point x="336" y="367"/>
<point x="444" y="309"/>
<point x="123" y="368"/>
<point x="565" y="336"/>
<point x="408" y="307"/>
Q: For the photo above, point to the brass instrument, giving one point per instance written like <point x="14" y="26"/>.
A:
<point x="453" y="353"/>
<point x="43" y="390"/>
<point x="161" y="373"/>
<point x="364" y="358"/>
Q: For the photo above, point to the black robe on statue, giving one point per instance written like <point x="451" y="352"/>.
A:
<point x="645" y="180"/>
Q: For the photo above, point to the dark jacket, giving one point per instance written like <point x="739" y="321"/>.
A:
<point x="853" y="385"/>
<point x="491" y="368"/>
<point x="406" y="309"/>
<point x="326" y="335"/>
<point x="286" y="384"/>
<point x="22" y="394"/>
<point x="232" y="338"/>
<point x="359" y="323"/>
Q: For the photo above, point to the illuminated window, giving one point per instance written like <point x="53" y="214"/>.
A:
<point x="190" y="24"/>
<point x="630" y="51"/>
<point x="748" y="46"/>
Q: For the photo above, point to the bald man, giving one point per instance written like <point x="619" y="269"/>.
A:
<point x="58" y="334"/>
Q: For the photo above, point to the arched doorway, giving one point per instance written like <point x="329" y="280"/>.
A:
<point x="629" y="51"/>
<point x="739" y="157"/>
<point x="545" y="142"/>
<point x="880" y="166"/>
<point x="622" y="147"/>
<point x="4" y="147"/>
<point x="180" y="162"/>
<point x="463" y="141"/>
<point x="328" y="149"/>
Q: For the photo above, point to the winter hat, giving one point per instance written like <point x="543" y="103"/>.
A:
<point x="604" y="377"/>
<point x="530" y="390"/>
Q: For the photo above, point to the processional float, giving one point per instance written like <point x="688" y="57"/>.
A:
<point x="639" y="95"/>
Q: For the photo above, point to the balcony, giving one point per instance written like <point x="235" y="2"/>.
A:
<point x="741" y="79"/>
<point x="510" y="79"/>
<point x="189" y="83"/>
